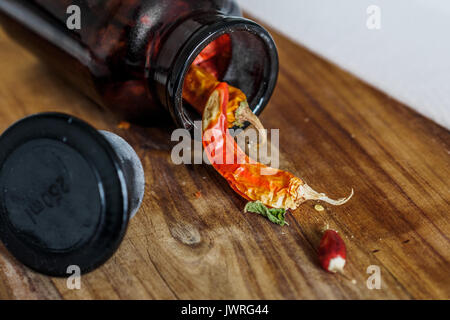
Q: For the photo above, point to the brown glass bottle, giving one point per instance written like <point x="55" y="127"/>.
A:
<point x="132" y="55"/>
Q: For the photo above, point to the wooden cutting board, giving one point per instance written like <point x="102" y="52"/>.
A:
<point x="191" y="239"/>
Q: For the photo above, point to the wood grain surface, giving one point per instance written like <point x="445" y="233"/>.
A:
<point x="336" y="132"/>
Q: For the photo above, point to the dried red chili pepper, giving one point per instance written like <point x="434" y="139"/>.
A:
<point x="280" y="189"/>
<point x="332" y="252"/>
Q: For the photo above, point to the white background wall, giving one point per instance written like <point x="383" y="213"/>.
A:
<point x="408" y="58"/>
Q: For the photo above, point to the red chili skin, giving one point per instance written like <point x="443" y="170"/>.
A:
<point x="331" y="246"/>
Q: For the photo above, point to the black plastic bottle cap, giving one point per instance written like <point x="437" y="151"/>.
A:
<point x="64" y="195"/>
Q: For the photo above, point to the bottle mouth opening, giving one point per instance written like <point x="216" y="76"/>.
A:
<point x="250" y="64"/>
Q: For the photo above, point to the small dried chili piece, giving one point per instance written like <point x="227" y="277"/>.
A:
<point x="198" y="194"/>
<point x="332" y="252"/>
<point x="319" y="207"/>
<point x="252" y="180"/>
<point x="124" y="125"/>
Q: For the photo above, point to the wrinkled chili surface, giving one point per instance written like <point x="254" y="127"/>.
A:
<point x="244" y="175"/>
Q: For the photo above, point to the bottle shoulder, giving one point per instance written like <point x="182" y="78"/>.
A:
<point x="132" y="33"/>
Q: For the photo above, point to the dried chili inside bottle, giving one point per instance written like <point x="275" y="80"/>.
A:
<point x="132" y="56"/>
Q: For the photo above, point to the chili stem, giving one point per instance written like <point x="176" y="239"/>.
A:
<point x="245" y="114"/>
<point x="310" y="194"/>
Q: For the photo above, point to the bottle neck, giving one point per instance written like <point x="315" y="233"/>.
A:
<point x="253" y="65"/>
